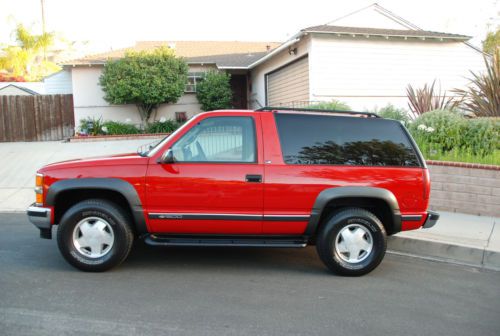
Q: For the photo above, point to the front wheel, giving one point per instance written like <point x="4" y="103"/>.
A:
<point x="352" y="242"/>
<point x="95" y="235"/>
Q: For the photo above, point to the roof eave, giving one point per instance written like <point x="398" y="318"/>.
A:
<point x="230" y="67"/>
<point x="292" y="40"/>
<point x="459" y="38"/>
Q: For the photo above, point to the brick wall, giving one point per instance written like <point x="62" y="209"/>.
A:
<point x="466" y="188"/>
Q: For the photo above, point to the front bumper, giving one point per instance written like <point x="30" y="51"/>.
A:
<point x="41" y="218"/>
<point x="432" y="218"/>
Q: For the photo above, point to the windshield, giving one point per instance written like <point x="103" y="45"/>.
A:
<point x="150" y="149"/>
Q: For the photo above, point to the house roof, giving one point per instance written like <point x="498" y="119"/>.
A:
<point x="22" y="88"/>
<point x="246" y="55"/>
<point x="383" y="32"/>
<point x="234" y="61"/>
<point x="199" y="51"/>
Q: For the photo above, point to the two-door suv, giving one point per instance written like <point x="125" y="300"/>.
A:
<point x="274" y="177"/>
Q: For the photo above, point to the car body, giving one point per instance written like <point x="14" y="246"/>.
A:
<point x="247" y="178"/>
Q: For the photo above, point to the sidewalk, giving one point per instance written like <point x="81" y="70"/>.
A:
<point x="460" y="238"/>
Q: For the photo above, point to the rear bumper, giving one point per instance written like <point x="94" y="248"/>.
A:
<point x="431" y="220"/>
<point x="41" y="218"/>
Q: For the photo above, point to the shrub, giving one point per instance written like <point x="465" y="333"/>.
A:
<point x="214" y="92"/>
<point x="167" y="126"/>
<point x="118" y="128"/>
<point x="146" y="79"/>
<point x="392" y="112"/>
<point x="331" y="105"/>
<point x="445" y="131"/>
<point x="482" y="135"/>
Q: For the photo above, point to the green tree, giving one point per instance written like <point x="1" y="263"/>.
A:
<point x="146" y="79"/>
<point x="214" y="92"/>
<point x="24" y="58"/>
<point x="492" y="42"/>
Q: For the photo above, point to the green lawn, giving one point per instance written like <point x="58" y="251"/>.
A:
<point x="456" y="156"/>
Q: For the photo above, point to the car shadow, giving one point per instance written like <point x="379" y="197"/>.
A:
<point x="302" y="260"/>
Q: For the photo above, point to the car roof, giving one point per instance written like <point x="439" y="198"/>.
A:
<point x="307" y="111"/>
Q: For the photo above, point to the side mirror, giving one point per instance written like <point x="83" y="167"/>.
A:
<point x="167" y="157"/>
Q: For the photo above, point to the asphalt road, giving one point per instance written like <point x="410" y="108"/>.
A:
<point x="195" y="291"/>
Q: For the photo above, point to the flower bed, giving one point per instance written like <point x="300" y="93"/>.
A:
<point x="90" y="138"/>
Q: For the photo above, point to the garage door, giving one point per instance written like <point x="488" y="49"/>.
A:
<point x="289" y="84"/>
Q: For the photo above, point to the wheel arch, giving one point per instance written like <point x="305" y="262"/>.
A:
<point x="356" y="196"/>
<point x="118" y="190"/>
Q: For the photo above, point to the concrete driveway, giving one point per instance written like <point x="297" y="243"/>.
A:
<point x="20" y="161"/>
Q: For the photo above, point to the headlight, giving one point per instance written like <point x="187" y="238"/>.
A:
<point x="39" y="189"/>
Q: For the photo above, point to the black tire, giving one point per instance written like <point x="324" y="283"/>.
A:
<point x="354" y="218"/>
<point x="118" y="222"/>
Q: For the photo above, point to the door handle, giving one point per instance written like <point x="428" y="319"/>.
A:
<point x="253" y="178"/>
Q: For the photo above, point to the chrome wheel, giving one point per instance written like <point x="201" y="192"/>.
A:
<point x="354" y="243"/>
<point x="93" y="237"/>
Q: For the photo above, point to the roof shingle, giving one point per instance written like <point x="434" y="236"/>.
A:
<point x="383" y="32"/>
<point x="200" y="50"/>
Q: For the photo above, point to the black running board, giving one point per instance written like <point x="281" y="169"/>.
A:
<point x="242" y="241"/>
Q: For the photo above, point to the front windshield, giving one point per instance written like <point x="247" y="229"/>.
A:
<point x="151" y="148"/>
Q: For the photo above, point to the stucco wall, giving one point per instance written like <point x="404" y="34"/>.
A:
<point x="89" y="101"/>
<point x="466" y="190"/>
<point x="369" y="72"/>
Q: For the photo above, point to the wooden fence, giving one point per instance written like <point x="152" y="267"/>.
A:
<point x="36" y="118"/>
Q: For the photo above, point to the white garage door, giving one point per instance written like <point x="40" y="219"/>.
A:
<point x="289" y="84"/>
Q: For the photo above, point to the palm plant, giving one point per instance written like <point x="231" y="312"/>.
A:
<point x="428" y="98"/>
<point x="23" y="58"/>
<point x="482" y="96"/>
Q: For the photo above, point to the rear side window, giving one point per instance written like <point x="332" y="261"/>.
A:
<point x="333" y="140"/>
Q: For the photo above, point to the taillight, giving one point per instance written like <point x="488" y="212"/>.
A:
<point x="39" y="189"/>
<point x="427" y="184"/>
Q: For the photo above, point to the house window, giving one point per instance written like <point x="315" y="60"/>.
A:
<point x="180" y="117"/>
<point x="194" y="78"/>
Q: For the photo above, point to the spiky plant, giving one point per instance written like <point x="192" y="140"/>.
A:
<point x="428" y="98"/>
<point x="482" y="96"/>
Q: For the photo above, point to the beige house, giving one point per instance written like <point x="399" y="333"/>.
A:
<point x="231" y="56"/>
<point x="366" y="59"/>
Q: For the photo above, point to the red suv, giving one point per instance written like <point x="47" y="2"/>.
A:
<point x="274" y="177"/>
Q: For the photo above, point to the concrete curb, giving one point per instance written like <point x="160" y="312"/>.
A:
<point x="444" y="251"/>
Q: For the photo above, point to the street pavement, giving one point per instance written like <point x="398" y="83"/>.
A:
<point x="216" y="291"/>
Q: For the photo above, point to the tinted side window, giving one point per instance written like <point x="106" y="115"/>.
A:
<point x="218" y="139"/>
<point x="332" y="140"/>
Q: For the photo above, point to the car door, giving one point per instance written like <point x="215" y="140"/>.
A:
<point x="214" y="185"/>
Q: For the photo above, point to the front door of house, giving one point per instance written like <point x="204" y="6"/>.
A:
<point x="239" y="87"/>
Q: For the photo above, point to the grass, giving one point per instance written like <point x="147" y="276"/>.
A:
<point x="458" y="156"/>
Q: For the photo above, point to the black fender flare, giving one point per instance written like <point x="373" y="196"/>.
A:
<point x="331" y="194"/>
<point x="114" y="184"/>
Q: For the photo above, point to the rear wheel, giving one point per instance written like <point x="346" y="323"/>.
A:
<point x="352" y="242"/>
<point x="95" y="235"/>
